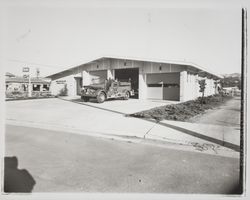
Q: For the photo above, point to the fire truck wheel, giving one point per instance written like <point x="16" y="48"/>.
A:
<point x="101" y="97"/>
<point x="126" y="97"/>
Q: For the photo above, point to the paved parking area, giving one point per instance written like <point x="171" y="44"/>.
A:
<point x="123" y="106"/>
<point x="84" y="118"/>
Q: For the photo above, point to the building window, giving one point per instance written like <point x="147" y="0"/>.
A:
<point x="36" y="87"/>
<point x="45" y="87"/>
<point x="166" y="85"/>
<point x="154" y="85"/>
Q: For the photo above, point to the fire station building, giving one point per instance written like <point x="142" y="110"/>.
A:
<point x="151" y="79"/>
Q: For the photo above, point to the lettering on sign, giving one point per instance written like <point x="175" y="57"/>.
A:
<point x="61" y="81"/>
<point x="26" y="69"/>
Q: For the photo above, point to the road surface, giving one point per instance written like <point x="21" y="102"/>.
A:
<point x="51" y="161"/>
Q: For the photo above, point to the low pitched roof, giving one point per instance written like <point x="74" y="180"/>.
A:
<point x="146" y="60"/>
<point x="26" y="80"/>
<point x="9" y="74"/>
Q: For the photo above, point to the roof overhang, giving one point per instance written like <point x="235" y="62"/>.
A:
<point x="200" y="69"/>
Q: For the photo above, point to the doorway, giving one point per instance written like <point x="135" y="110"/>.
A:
<point x="129" y="74"/>
<point x="78" y="85"/>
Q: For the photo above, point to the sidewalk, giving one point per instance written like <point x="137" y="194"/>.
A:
<point x="191" y="133"/>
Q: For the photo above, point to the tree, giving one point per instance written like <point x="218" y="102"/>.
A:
<point x="202" y="84"/>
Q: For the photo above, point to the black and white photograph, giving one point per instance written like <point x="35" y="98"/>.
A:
<point x="123" y="97"/>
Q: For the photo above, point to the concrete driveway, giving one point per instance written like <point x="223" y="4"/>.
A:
<point x="122" y="106"/>
<point x="109" y="120"/>
<point x="83" y="118"/>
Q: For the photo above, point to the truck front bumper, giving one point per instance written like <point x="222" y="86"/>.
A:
<point x="88" y="95"/>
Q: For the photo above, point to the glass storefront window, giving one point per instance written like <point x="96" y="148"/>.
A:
<point x="45" y="87"/>
<point x="36" y="87"/>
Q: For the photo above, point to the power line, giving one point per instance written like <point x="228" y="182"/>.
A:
<point x="32" y="63"/>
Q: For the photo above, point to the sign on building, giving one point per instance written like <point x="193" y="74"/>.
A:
<point x="25" y="76"/>
<point x="61" y="81"/>
<point x="26" y="69"/>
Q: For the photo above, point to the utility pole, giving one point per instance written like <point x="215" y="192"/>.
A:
<point x="37" y="72"/>
<point x="26" y="71"/>
<point x="29" y="87"/>
<point x="243" y="115"/>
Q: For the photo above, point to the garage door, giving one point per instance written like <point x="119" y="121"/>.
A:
<point x="164" y="86"/>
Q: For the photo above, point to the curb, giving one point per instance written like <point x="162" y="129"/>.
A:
<point x="207" y="148"/>
<point x="30" y="98"/>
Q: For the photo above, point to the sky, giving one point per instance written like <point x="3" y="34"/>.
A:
<point x="54" y="37"/>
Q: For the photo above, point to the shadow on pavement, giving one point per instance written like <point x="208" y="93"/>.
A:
<point x="234" y="109"/>
<point x="92" y="106"/>
<point x="16" y="180"/>
<point x="186" y="131"/>
<point x="204" y="137"/>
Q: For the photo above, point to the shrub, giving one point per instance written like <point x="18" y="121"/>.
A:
<point x="16" y="94"/>
<point x="63" y="91"/>
<point x="182" y="111"/>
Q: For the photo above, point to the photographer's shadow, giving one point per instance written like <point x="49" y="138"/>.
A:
<point x="16" y="180"/>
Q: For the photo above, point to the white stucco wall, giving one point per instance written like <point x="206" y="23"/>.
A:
<point x="58" y="84"/>
<point x="209" y="88"/>
<point x="86" y="79"/>
<point x="142" y="85"/>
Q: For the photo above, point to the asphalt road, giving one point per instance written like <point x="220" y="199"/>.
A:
<point x="50" y="161"/>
